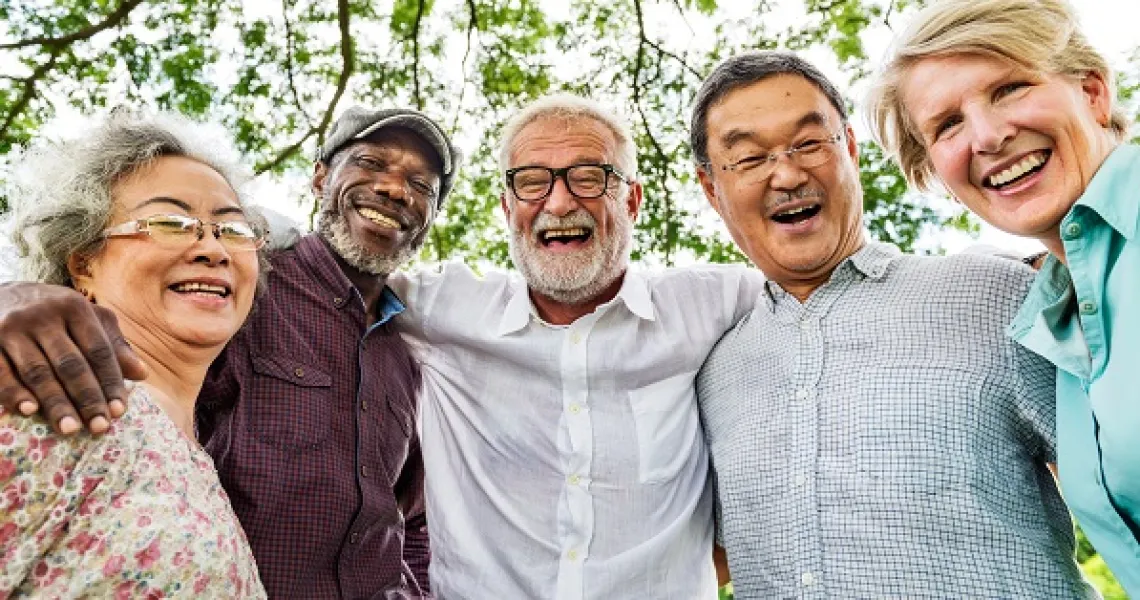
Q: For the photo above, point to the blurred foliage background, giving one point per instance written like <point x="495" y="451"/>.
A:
<point x="275" y="73"/>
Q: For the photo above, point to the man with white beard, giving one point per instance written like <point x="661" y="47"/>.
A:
<point x="559" y="422"/>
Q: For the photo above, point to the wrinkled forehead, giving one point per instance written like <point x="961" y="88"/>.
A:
<point x="581" y="135"/>
<point x="395" y="140"/>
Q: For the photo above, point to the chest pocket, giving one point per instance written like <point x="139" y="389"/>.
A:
<point x="397" y="433"/>
<point x="290" y="404"/>
<point x="917" y="427"/>
<point x="667" y="420"/>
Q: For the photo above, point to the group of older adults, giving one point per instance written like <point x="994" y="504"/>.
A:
<point x="842" y="421"/>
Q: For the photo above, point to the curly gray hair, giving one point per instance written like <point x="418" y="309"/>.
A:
<point x="61" y="191"/>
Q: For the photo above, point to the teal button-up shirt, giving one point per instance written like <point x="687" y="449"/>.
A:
<point x="1084" y="318"/>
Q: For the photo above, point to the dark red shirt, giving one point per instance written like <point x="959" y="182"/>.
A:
<point x="309" y="415"/>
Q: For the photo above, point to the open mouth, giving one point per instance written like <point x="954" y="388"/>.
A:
<point x="565" y="236"/>
<point x="379" y="219"/>
<point x="204" y="289"/>
<point x="798" y="214"/>
<point x="1018" y="171"/>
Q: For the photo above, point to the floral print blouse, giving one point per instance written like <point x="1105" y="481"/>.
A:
<point x="137" y="512"/>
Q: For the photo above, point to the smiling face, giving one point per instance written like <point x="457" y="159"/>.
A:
<point x="378" y="198"/>
<point x="798" y="223"/>
<point x="1016" y="147"/>
<point x="196" y="293"/>
<point x="568" y="248"/>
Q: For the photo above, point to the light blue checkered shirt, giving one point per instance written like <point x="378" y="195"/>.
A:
<point x="886" y="440"/>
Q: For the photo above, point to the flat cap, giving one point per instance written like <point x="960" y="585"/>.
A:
<point x="358" y="122"/>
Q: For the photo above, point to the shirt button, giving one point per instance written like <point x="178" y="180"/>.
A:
<point x="364" y="471"/>
<point x="575" y="338"/>
<point x="1072" y="230"/>
<point x="364" y="405"/>
<point x="807" y="578"/>
<point x="575" y="480"/>
<point x="802" y="395"/>
<point x="572" y="555"/>
<point x="800" y="479"/>
<point x="355" y="537"/>
<point x="338" y="301"/>
<point x="575" y="409"/>
<point x="299" y="372"/>
<point x="1088" y="307"/>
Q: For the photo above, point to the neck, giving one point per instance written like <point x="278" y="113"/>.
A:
<point x="1054" y="245"/>
<point x="370" y="285"/>
<point x="559" y="313"/>
<point x="803" y="286"/>
<point x="176" y="372"/>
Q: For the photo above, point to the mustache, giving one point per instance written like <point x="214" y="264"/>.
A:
<point x="580" y="217"/>
<point x="778" y="199"/>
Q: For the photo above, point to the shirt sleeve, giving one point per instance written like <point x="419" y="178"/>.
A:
<point x="409" y="490"/>
<point x="1037" y="401"/>
<point x="40" y="495"/>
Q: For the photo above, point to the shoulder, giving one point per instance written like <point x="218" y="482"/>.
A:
<point x="976" y="275"/>
<point x="700" y="277"/>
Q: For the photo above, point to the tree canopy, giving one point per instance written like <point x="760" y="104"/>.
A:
<point x="275" y="74"/>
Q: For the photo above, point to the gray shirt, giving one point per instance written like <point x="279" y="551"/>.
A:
<point x="886" y="440"/>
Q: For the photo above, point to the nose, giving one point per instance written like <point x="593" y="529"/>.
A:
<point x="990" y="130"/>
<point x="209" y="249"/>
<point x="560" y="202"/>
<point x="394" y="189"/>
<point x="787" y="175"/>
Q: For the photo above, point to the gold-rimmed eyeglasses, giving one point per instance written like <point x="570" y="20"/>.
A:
<point x="181" y="230"/>
<point x="808" y="154"/>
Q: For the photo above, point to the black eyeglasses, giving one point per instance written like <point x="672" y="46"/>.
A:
<point x="533" y="184"/>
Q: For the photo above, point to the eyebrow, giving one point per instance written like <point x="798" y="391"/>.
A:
<point x="735" y="136"/>
<point x="225" y="210"/>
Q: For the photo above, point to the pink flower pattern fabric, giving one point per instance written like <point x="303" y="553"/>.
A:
<point x="135" y="513"/>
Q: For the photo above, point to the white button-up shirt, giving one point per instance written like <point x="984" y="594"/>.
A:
<point x="568" y="461"/>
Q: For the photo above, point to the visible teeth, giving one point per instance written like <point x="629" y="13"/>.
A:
<point x="378" y="218"/>
<point x="572" y="232"/>
<point x="795" y="211"/>
<point x="200" y="287"/>
<point x="1017" y="170"/>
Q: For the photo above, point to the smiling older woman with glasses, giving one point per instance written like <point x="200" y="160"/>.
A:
<point x="142" y="217"/>
<point x="1008" y="105"/>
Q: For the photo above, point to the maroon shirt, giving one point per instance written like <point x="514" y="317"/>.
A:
<point x="309" y="415"/>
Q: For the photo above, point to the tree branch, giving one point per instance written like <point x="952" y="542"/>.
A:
<point x="347" y="64"/>
<point x="472" y="25"/>
<point x="417" y="93"/>
<point x="28" y="92"/>
<point x="110" y="21"/>
<point x="289" y="61"/>
<point x="667" y="201"/>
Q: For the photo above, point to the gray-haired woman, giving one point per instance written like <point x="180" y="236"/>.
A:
<point x="142" y="217"/>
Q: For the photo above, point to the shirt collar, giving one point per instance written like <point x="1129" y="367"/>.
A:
<point x="1114" y="192"/>
<point x="874" y="258"/>
<point x="317" y="257"/>
<point x="872" y="261"/>
<point x="634" y="293"/>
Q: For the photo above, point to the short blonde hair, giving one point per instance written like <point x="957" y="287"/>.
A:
<point x="1040" y="35"/>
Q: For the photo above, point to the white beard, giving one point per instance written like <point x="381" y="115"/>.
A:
<point x="334" y="228"/>
<point x="575" y="277"/>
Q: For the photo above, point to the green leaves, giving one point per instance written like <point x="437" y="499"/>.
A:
<point x="274" y="74"/>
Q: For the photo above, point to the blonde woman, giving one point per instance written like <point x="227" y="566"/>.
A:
<point x="142" y="217"/>
<point x="1007" y="105"/>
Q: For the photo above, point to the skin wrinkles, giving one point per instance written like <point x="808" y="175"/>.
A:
<point x="780" y="112"/>
<point x="570" y="281"/>
<point x="992" y="115"/>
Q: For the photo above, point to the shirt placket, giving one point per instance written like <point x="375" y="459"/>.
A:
<point x="576" y="513"/>
<point x="806" y="428"/>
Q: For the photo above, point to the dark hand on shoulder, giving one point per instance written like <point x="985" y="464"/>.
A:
<point x="63" y="356"/>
